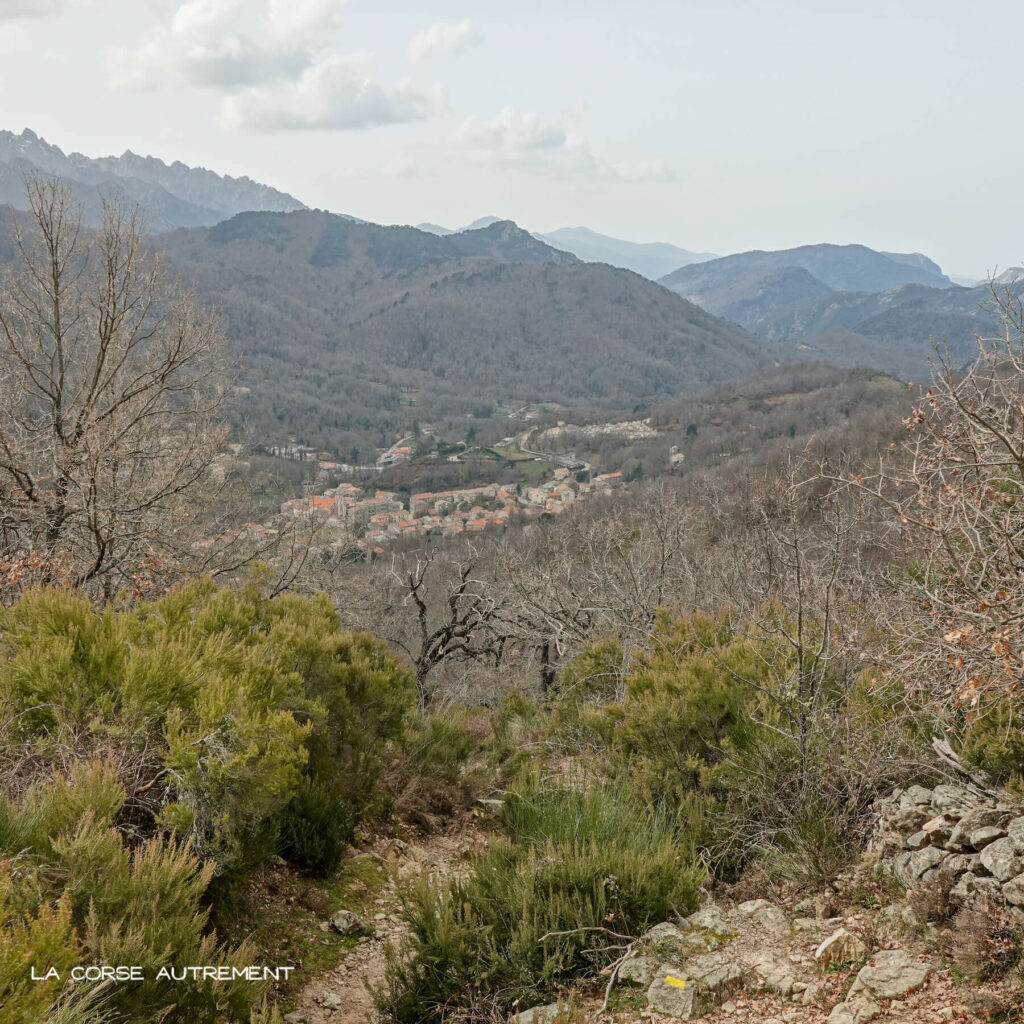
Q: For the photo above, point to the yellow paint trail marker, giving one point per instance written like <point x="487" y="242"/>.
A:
<point x="671" y="979"/>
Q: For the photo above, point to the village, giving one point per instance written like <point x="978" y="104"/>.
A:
<point x="372" y="523"/>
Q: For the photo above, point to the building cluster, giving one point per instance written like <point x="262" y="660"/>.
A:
<point x="628" y="430"/>
<point x="377" y="521"/>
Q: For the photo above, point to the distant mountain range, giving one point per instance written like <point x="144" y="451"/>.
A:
<point x="170" y="195"/>
<point x="343" y="322"/>
<point x="849" y="305"/>
<point x="651" y="259"/>
<point x="732" y="279"/>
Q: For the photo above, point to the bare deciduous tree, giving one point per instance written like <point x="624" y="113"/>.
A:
<point x="954" y="494"/>
<point x="439" y="608"/>
<point x="112" y="383"/>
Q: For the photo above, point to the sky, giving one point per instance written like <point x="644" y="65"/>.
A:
<point x="718" y="125"/>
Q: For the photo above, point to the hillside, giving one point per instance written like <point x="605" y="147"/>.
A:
<point x="170" y="195"/>
<point x="896" y="331"/>
<point x="335" y="318"/>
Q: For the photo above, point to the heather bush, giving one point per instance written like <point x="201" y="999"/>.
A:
<point x="993" y="740"/>
<point x="435" y="770"/>
<point x="316" y="828"/>
<point x="151" y="756"/>
<point x="79" y="893"/>
<point x="584" y="862"/>
<point x="713" y="725"/>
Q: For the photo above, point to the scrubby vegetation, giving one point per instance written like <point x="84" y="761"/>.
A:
<point x="152" y="756"/>
<point x="576" y="864"/>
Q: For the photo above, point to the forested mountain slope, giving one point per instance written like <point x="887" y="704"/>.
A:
<point x="334" y="318"/>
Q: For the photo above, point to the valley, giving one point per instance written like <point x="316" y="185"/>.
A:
<point x="491" y="626"/>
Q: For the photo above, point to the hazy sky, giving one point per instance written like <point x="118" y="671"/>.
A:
<point x="718" y="125"/>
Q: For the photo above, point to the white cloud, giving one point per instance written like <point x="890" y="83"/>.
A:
<point x="444" y="38"/>
<point x="531" y="142"/>
<point x="512" y="132"/>
<point x="648" y="170"/>
<point x="273" y="62"/>
<point x="29" y="8"/>
<point x="330" y="94"/>
<point x="219" y="44"/>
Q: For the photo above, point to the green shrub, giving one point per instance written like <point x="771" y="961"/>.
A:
<point x="574" y="860"/>
<point x="432" y="772"/>
<point x="87" y="897"/>
<point x="994" y="741"/>
<point x="588" y="683"/>
<point x="33" y="933"/>
<point x="316" y="828"/>
<point x="215" y="702"/>
<point x="515" y="727"/>
<point x="153" y="755"/>
<point x="715" y="725"/>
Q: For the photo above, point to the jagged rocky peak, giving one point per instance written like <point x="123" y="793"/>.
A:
<point x="171" y="195"/>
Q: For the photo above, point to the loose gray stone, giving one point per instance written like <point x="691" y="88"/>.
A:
<point x="908" y="819"/>
<point x="854" y="1011"/>
<point x="1013" y="891"/>
<point x="958" y="863"/>
<point x="294" y="1018"/>
<point x="965" y="887"/>
<point x="891" y="975"/>
<point x="811" y="994"/>
<point x="979" y="817"/>
<point x="953" y="799"/>
<point x="664" y="932"/>
<point x="1002" y="859"/>
<point x="710" y="918"/>
<point x="806" y="924"/>
<point x="331" y="1001"/>
<point x="538" y="1015"/>
<point x="765" y="914"/>
<point x="839" y="948"/>
<point x="910" y="867"/>
<point x="673" y="941"/>
<point x="939" y="829"/>
<point x="919" y="795"/>
<point x="987" y="888"/>
<point x="771" y="975"/>
<point x="916" y="841"/>
<point x="347" y="923"/>
<point x="982" y="837"/>
<point x="1015" y="832"/>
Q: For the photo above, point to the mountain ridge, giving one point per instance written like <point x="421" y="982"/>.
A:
<point x="335" y="316"/>
<point x="170" y="195"/>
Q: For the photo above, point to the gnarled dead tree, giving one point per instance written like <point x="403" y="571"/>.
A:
<point x="439" y="607"/>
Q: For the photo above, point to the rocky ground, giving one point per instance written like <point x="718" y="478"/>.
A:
<point x="888" y="941"/>
<point x="765" y="963"/>
<point x="341" y="994"/>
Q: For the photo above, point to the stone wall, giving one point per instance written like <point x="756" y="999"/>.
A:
<point x="980" y="841"/>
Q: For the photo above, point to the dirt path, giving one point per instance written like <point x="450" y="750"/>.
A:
<point x="339" y="995"/>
